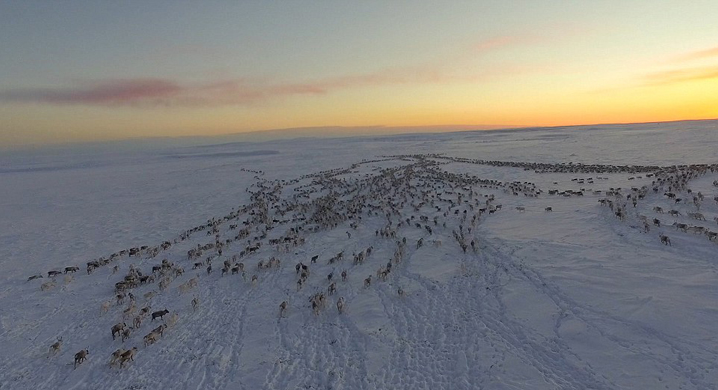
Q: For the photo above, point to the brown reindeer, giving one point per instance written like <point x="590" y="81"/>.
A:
<point x="55" y="348"/>
<point x="665" y="240"/>
<point x="81" y="356"/>
<point x="128" y="355"/>
<point x="115" y="357"/>
<point x="117" y="329"/>
<point x="367" y="281"/>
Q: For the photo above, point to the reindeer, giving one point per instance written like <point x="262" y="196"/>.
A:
<point x="160" y="313"/>
<point x="696" y="229"/>
<point x="367" y="281"/>
<point x="115" y="357"/>
<point x="145" y="311"/>
<point x="137" y="322"/>
<point x="665" y="240"/>
<point x="81" y="357"/>
<point x="379" y="272"/>
<point x="105" y="307"/>
<point x="128" y="355"/>
<point x="697" y="216"/>
<point x="195" y="303"/>
<point x="55" y="348"/>
<point x="282" y="308"/>
<point x="344" y="276"/>
<point x="160" y="330"/>
<point x="125" y="334"/>
<point x="117" y="329"/>
<point x="620" y="215"/>
<point x="129" y="312"/>
<point x="150" y="338"/>
<point x="680" y="226"/>
<point x="340" y="305"/>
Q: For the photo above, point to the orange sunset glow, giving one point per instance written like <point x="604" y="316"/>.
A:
<point x="84" y="71"/>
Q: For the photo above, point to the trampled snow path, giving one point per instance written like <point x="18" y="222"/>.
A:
<point x="573" y="298"/>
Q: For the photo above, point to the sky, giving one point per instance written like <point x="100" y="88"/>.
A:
<point x="74" y="71"/>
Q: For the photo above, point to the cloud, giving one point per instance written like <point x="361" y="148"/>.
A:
<point x="697" y="55"/>
<point x="548" y="35"/>
<point x="242" y="91"/>
<point x="503" y="42"/>
<point x="681" y="75"/>
<point x="102" y="93"/>
<point x="152" y="92"/>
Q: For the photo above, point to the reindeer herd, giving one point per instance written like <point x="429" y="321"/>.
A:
<point x="417" y="198"/>
<point x="673" y="185"/>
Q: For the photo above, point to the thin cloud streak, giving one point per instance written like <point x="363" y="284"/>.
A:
<point x="157" y="92"/>
<point x="507" y="41"/>
<point x="103" y="93"/>
<point x="681" y="75"/>
<point x="552" y="35"/>
<point x="164" y="92"/>
<point x="697" y="55"/>
<point x="153" y="92"/>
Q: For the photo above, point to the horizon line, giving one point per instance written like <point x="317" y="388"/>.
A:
<point x="387" y="131"/>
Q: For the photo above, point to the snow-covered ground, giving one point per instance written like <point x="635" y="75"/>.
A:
<point x="572" y="298"/>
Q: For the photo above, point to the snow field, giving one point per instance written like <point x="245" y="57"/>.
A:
<point x="572" y="298"/>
